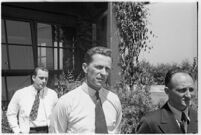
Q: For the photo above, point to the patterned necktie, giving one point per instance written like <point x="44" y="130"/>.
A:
<point x="34" y="110"/>
<point x="183" y="123"/>
<point x="100" y="123"/>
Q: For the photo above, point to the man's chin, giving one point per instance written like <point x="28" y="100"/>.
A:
<point x="185" y="106"/>
<point x="98" y="86"/>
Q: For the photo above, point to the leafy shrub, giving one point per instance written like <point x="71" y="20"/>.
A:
<point x="158" y="72"/>
<point x="67" y="82"/>
<point x="135" y="104"/>
<point x="4" y="123"/>
<point x="133" y="89"/>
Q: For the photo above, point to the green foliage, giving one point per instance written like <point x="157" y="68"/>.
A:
<point x="5" y="128"/>
<point x="132" y="25"/>
<point x="67" y="82"/>
<point x="133" y="89"/>
<point x="159" y="71"/>
<point x="135" y="104"/>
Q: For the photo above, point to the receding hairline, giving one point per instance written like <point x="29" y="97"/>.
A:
<point x="182" y="75"/>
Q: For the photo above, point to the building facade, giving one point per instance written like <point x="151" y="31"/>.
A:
<point x="53" y="34"/>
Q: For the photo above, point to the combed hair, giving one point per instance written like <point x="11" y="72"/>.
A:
<point x="41" y="68"/>
<point x="171" y="72"/>
<point x="96" y="50"/>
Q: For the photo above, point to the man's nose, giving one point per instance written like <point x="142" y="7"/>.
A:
<point x="44" y="80"/>
<point x="188" y="93"/>
<point x="104" y="72"/>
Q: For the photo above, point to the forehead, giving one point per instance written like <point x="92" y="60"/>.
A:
<point x="100" y="59"/>
<point x="182" y="79"/>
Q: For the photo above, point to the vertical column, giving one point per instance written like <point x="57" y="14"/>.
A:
<point x="61" y="55"/>
<point x="93" y="34"/>
<point x="55" y="56"/>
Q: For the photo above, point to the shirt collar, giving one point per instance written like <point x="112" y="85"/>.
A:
<point x="178" y="113"/>
<point x="35" y="91"/>
<point x="89" y="90"/>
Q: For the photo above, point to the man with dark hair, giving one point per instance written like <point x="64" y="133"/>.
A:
<point x="30" y="108"/>
<point x="89" y="108"/>
<point x="176" y="116"/>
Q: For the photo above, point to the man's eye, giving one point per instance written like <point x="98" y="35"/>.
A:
<point x="182" y="90"/>
<point x="108" y="69"/>
<point x="185" y="89"/>
<point x="43" y="78"/>
<point x="99" y="67"/>
<point x="191" y="89"/>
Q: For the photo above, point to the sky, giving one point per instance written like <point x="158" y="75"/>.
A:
<point x="175" y="25"/>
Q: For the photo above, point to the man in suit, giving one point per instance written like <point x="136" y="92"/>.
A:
<point x="176" y="116"/>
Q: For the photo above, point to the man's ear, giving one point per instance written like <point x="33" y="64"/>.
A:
<point x="33" y="78"/>
<point x="85" y="67"/>
<point x="166" y="90"/>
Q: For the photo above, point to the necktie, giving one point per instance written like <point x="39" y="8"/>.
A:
<point x="100" y="123"/>
<point x="183" y="123"/>
<point x="34" y="110"/>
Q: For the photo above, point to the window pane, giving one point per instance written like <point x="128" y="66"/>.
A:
<point x="44" y="34"/>
<point x="45" y="57"/>
<point x="18" y="32"/>
<point x="4" y="57"/>
<point x="21" y="57"/>
<point x="3" y="89"/>
<point x="3" y="39"/>
<point x="17" y="82"/>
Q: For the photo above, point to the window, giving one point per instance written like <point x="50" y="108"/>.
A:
<point x="45" y="47"/>
<point x="4" y="60"/>
<point x="3" y="39"/>
<point x="21" y="57"/>
<point x="17" y="56"/>
<point x="52" y="45"/>
<point x="55" y="46"/>
<point x="18" y="32"/>
<point x="20" y="51"/>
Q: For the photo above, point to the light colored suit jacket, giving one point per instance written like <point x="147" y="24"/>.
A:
<point x="20" y="107"/>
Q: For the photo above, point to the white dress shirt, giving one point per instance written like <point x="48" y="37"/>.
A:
<point x="21" y="104"/>
<point x="75" y="111"/>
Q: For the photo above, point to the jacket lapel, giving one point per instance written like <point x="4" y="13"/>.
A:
<point x="168" y="122"/>
<point x="193" y="125"/>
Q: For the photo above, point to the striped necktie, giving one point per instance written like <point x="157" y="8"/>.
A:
<point x="183" y="123"/>
<point x="34" y="110"/>
<point x="100" y="123"/>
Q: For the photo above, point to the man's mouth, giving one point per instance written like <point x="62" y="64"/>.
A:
<point x="187" y="100"/>
<point x="100" y="79"/>
<point x="42" y="85"/>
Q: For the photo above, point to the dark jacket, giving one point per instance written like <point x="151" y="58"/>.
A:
<point x="163" y="121"/>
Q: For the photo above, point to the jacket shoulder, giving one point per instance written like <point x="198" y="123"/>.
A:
<point x="153" y="115"/>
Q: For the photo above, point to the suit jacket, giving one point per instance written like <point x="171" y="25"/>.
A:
<point x="20" y="107"/>
<point x="163" y="121"/>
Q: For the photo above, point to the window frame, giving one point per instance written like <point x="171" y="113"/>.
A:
<point x="34" y="44"/>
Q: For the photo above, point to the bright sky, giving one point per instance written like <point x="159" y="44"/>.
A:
<point x="175" y="25"/>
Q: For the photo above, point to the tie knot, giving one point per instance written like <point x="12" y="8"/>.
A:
<point x="97" y="95"/>
<point x="183" y="117"/>
<point x="38" y="93"/>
